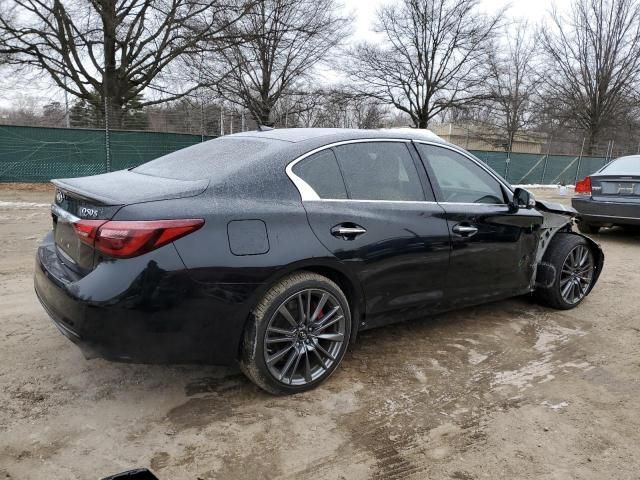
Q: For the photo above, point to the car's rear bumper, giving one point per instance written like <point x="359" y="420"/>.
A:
<point x="607" y="212"/>
<point x="158" y="316"/>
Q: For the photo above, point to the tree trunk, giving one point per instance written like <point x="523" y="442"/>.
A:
<point x="423" y="122"/>
<point x="112" y="104"/>
<point x="592" y="137"/>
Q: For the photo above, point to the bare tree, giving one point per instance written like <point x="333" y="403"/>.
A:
<point x="593" y="57"/>
<point x="513" y="81"/>
<point x="112" y="51"/>
<point x="433" y="56"/>
<point x="286" y="39"/>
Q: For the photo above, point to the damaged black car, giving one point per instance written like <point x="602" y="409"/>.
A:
<point x="273" y="249"/>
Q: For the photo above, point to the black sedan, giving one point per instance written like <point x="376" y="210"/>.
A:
<point x="609" y="197"/>
<point x="275" y="248"/>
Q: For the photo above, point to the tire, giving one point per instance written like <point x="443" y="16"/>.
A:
<point x="315" y="339"/>
<point x="563" y="285"/>
<point x="588" y="228"/>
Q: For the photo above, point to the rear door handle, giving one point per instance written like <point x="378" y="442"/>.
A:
<point x="465" y="230"/>
<point x="348" y="232"/>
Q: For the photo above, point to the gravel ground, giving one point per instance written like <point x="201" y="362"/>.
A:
<point x="507" y="390"/>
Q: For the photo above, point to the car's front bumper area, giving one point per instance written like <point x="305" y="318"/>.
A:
<point x="605" y="212"/>
<point x="145" y="310"/>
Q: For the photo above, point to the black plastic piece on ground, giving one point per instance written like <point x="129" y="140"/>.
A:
<point x="138" y="474"/>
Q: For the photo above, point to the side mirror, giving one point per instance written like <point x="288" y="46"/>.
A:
<point x="522" y="199"/>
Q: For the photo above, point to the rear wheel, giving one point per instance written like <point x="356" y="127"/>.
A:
<point x="588" y="228"/>
<point x="569" y="272"/>
<point x="298" y="334"/>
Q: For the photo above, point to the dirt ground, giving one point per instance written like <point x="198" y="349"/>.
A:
<point x="508" y="390"/>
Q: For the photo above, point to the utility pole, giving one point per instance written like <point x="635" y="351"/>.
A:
<point x="202" y="120"/>
<point x="67" y="120"/>
<point x="107" y="138"/>
<point x="221" y="121"/>
<point x="546" y="160"/>
<point x="579" y="160"/>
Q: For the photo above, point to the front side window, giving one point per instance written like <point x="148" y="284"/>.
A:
<point x="379" y="171"/>
<point x="459" y="179"/>
<point x="321" y="172"/>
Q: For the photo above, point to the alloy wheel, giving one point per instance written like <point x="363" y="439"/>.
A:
<point x="577" y="274"/>
<point x="304" y="337"/>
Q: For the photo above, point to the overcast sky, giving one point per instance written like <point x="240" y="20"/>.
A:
<point x="364" y="11"/>
<point x="364" y="15"/>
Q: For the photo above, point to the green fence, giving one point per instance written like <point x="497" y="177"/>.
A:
<point x="527" y="168"/>
<point x="36" y="154"/>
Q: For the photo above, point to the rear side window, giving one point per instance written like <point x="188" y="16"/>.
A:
<point x="459" y="179"/>
<point x="379" y="171"/>
<point x="321" y="172"/>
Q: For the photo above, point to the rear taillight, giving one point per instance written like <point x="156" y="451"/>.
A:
<point x="126" y="239"/>
<point x="87" y="229"/>
<point x="583" y="187"/>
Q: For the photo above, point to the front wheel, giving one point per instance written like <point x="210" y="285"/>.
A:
<point x="297" y="335"/>
<point x="569" y="272"/>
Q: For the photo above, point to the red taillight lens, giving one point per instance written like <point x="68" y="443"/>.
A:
<point x="583" y="187"/>
<point x="126" y="239"/>
<point x="87" y="230"/>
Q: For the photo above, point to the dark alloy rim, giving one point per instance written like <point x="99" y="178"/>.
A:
<point x="304" y="337"/>
<point x="577" y="274"/>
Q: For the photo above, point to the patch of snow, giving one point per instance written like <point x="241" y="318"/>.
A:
<point x="21" y="205"/>
<point x="475" y="358"/>
<point x="553" y="335"/>
<point x="523" y="377"/>
<point x="556" y="407"/>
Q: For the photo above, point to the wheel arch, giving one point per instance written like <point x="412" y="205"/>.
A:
<point x="331" y="269"/>
<point x="598" y="254"/>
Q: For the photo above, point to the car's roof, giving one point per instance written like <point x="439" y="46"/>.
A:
<point x="328" y="135"/>
<point x="256" y="160"/>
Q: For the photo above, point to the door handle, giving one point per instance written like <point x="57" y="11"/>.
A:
<point x="348" y="232"/>
<point x="465" y="230"/>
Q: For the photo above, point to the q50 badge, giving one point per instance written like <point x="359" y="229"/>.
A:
<point x="88" y="212"/>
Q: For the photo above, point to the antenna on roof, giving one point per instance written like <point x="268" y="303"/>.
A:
<point x="264" y="128"/>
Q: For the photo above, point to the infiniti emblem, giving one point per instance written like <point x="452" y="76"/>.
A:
<point x="59" y="196"/>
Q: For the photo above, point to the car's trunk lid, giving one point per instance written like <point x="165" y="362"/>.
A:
<point x="618" y="187"/>
<point x="99" y="198"/>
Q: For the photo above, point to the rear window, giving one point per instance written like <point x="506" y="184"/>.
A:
<point x="209" y="159"/>
<point x="623" y="166"/>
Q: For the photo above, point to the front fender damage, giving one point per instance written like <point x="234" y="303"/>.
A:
<point x="560" y="220"/>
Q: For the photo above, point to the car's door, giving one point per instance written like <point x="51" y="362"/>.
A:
<point x="366" y="202"/>
<point x="493" y="246"/>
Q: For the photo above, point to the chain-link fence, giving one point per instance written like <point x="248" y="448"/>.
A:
<point x="531" y="169"/>
<point x="38" y="154"/>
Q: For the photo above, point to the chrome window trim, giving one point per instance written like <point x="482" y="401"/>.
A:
<point x="421" y="202"/>
<point x="307" y="193"/>
<point x="61" y="213"/>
